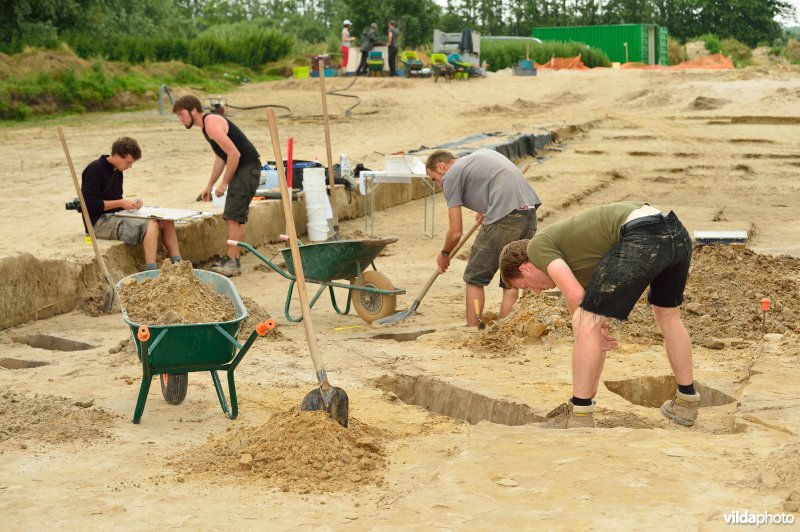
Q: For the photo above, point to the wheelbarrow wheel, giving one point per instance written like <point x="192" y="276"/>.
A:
<point x="173" y="387"/>
<point x="369" y="305"/>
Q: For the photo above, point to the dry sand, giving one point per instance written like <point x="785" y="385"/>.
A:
<point x="720" y="148"/>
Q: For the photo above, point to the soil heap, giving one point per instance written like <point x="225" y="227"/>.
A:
<point x="297" y="451"/>
<point x="49" y="419"/>
<point x="722" y="301"/>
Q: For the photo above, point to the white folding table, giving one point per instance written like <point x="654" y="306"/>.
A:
<point x="369" y="181"/>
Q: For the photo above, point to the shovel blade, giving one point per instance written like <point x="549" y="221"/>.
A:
<point x="110" y="300"/>
<point x="396" y="317"/>
<point x="334" y="402"/>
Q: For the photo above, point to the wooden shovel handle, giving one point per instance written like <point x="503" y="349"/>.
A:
<point x="435" y="275"/>
<point x="331" y="179"/>
<point x="84" y="210"/>
<point x="298" y="263"/>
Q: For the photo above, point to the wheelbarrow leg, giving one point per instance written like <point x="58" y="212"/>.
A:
<point x="147" y="379"/>
<point x="233" y="411"/>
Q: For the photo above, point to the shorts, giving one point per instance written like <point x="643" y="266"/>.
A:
<point x="484" y="259"/>
<point x="129" y="230"/>
<point x="241" y="190"/>
<point x="653" y="251"/>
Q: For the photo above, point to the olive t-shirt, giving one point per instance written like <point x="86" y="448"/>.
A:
<point x="581" y="240"/>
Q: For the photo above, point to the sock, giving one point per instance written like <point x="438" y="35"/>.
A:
<point x="176" y="258"/>
<point x="580" y="402"/>
<point x="238" y="263"/>
<point x="150" y="266"/>
<point x="687" y="389"/>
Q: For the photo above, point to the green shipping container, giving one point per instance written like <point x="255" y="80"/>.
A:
<point x="637" y="43"/>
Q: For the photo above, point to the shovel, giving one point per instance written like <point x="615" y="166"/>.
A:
<point x="332" y="400"/>
<point x="111" y="296"/>
<point x="403" y="314"/>
<point x="331" y="179"/>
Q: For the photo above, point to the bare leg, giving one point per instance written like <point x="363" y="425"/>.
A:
<point x="235" y="232"/>
<point x="150" y="242"/>
<point x="474" y="292"/>
<point x="169" y="237"/>
<point x="510" y="296"/>
<point x="677" y="342"/>
<point x="588" y="356"/>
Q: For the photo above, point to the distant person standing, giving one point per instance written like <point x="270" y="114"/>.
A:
<point x="346" y="40"/>
<point x="368" y="39"/>
<point x="393" y="43"/>
<point x="237" y="156"/>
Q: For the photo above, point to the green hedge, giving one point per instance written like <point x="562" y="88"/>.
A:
<point x="501" y="53"/>
<point x="252" y="48"/>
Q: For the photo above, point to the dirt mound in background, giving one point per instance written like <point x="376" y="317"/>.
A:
<point x="176" y="295"/>
<point x="302" y="452"/>
<point x="50" y="419"/>
<point x="703" y="103"/>
<point x="722" y="300"/>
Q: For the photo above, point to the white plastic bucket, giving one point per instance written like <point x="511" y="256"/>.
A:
<point x="316" y="204"/>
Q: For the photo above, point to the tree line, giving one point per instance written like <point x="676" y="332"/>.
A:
<point x="45" y="22"/>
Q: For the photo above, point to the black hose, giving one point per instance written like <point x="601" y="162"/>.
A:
<point x="250" y="108"/>
<point x="338" y="92"/>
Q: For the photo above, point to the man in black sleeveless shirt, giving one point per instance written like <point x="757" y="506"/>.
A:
<point x="238" y="158"/>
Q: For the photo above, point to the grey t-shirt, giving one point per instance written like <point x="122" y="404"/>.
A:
<point x="486" y="182"/>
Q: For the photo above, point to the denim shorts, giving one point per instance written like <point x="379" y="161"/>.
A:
<point x="129" y="230"/>
<point x="484" y="259"/>
<point x="653" y="251"/>
<point x="241" y="190"/>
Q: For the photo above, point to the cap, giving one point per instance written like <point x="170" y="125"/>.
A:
<point x="373" y="25"/>
<point x="347" y="23"/>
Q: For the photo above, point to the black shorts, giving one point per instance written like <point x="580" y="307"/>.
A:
<point x="653" y="251"/>
<point x="484" y="259"/>
<point x="241" y="190"/>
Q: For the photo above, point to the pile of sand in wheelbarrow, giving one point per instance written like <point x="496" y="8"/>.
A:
<point x="297" y="451"/>
<point x="175" y="296"/>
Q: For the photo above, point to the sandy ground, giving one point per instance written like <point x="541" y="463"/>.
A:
<point x="720" y="148"/>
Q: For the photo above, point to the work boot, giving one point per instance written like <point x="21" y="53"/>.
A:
<point x="683" y="409"/>
<point x="569" y="416"/>
<point x="228" y="268"/>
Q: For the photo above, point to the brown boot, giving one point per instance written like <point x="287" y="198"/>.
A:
<point x="683" y="409"/>
<point x="569" y="416"/>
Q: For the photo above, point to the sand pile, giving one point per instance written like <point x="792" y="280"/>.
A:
<point x="302" y="452"/>
<point x="50" y="419"/>
<point x="783" y="468"/>
<point x="723" y="297"/>
<point x="255" y="315"/>
<point x="175" y="296"/>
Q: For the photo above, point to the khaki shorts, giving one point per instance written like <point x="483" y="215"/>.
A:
<point x="484" y="259"/>
<point x="241" y="190"/>
<point x="129" y="230"/>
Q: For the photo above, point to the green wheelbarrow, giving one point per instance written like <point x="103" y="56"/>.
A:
<point x="174" y="351"/>
<point x="370" y="292"/>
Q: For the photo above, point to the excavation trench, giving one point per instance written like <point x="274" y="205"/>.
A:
<point x="653" y="391"/>
<point x="16" y="363"/>
<point x="440" y="397"/>
<point x="52" y="343"/>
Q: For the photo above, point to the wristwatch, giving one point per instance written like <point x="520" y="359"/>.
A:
<point x="445" y="253"/>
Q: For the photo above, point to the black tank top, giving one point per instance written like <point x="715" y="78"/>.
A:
<point x="247" y="151"/>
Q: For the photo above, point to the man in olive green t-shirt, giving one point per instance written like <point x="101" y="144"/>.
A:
<point x="602" y="260"/>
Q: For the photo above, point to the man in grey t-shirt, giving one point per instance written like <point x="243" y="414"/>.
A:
<point x="489" y="184"/>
